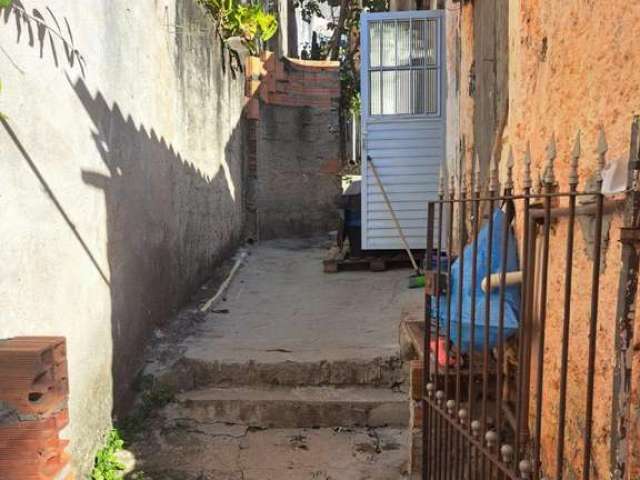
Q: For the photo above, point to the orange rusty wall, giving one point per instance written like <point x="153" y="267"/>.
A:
<point x="572" y="65"/>
<point x="578" y="353"/>
<point x="575" y="65"/>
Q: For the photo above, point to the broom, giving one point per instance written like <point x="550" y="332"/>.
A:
<point x="417" y="279"/>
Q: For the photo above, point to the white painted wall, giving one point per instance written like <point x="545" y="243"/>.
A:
<point x="120" y="182"/>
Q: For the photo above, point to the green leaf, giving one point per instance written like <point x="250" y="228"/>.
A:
<point x="5" y="3"/>
<point x="268" y="25"/>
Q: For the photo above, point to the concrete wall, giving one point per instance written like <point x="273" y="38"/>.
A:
<point x="298" y="185"/>
<point x="121" y="182"/>
<point x="294" y="155"/>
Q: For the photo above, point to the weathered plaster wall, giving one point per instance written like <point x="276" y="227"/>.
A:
<point x="298" y="164"/>
<point x="575" y="66"/>
<point x="482" y="61"/>
<point x="453" y="76"/>
<point x="121" y="182"/>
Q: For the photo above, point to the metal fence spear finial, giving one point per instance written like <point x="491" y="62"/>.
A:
<point x="575" y="158"/>
<point x="452" y="185"/>
<point x="494" y="182"/>
<point x="508" y="185"/>
<point x="526" y="181"/>
<point x="549" y="174"/>
<point x="601" y="150"/>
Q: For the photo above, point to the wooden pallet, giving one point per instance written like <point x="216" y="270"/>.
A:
<point x="338" y="260"/>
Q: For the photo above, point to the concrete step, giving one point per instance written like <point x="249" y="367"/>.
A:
<point x="188" y="451"/>
<point x="297" y="407"/>
<point x="189" y="373"/>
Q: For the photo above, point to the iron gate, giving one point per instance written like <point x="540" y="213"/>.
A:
<point x="497" y="401"/>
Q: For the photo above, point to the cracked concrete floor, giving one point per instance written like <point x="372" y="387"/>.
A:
<point x="187" y="450"/>
<point x="281" y="309"/>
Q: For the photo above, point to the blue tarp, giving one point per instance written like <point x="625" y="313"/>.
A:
<point x="511" y="296"/>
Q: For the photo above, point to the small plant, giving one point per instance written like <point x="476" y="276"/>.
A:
<point x="107" y="466"/>
<point x="152" y="397"/>
<point x="249" y="22"/>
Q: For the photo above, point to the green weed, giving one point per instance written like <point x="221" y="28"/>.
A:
<point x="107" y="466"/>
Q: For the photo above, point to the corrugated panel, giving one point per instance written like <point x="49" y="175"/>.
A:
<point x="407" y="151"/>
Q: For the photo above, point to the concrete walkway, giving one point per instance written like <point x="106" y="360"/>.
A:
<point x="294" y="376"/>
<point x="282" y="307"/>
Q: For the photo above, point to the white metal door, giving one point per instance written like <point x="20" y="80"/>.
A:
<point x="403" y="122"/>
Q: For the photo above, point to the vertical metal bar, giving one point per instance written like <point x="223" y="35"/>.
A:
<point x="541" y="338"/>
<point x="474" y="270"/>
<point x="441" y="436"/>
<point x="449" y="249"/>
<point x="593" y="326"/>
<point x="500" y="360"/>
<point x="427" y="340"/>
<point x="437" y="433"/>
<point x="525" y="291"/>
<point x="565" y="336"/>
<point x="472" y="466"/>
<point x="566" y="320"/>
<point x="487" y="323"/>
<point x="461" y="243"/>
<point x="448" y="329"/>
<point x="530" y="279"/>
<point x="627" y="290"/>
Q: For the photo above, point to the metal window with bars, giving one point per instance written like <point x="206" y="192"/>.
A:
<point x="404" y="63"/>
<point x="479" y="420"/>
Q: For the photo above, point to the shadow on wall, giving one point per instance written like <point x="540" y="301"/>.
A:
<point x="166" y="228"/>
<point x="44" y="33"/>
<point x="168" y="224"/>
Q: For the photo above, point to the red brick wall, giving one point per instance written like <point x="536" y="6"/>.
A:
<point x="290" y="82"/>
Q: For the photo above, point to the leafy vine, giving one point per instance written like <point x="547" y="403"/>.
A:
<point x="249" y="24"/>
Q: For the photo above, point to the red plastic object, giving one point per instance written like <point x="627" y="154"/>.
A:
<point x="440" y="346"/>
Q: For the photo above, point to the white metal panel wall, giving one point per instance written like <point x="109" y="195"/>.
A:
<point x="407" y="150"/>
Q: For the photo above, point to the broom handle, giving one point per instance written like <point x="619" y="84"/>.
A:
<point x="393" y="215"/>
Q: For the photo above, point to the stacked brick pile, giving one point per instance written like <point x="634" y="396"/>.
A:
<point x="34" y="390"/>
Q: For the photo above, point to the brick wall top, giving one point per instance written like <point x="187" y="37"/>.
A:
<point x="291" y="82"/>
<point x="313" y="65"/>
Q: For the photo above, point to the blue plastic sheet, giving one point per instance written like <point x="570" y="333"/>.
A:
<point x="511" y="294"/>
